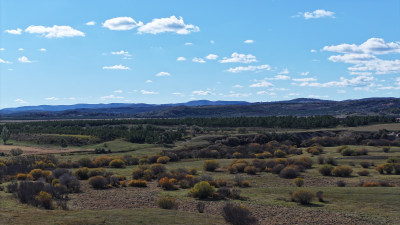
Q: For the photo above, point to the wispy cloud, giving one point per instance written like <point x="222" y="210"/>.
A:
<point x="262" y="83"/>
<point x="249" y="41"/>
<point x="163" y="74"/>
<point x="259" y="68"/>
<point x="20" y="101"/>
<point x="239" y="58"/>
<point x="211" y="56"/>
<point x="319" y="13"/>
<point x="51" y="99"/>
<point x="24" y="59"/>
<point x="111" y="97"/>
<point x="121" y="23"/>
<point x="17" y="31"/>
<point x="116" y="67"/>
<point x="55" y="31"/>
<point x="198" y="60"/>
<point x="91" y="23"/>
<point x="181" y="58"/>
<point x="4" y="61"/>
<point x="144" y="92"/>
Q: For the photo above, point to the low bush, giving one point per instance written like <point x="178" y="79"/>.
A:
<point x="82" y="173"/>
<point x="363" y="173"/>
<point x="321" y="160"/>
<point x="386" y="149"/>
<point x="303" y="196"/>
<point x="57" y="173"/>
<point x="289" y="172"/>
<point x="137" y="183"/>
<point x="238" y="215"/>
<point x="202" y="190"/>
<point x="44" y="199"/>
<point x="70" y="182"/>
<point x="299" y="182"/>
<point x="117" y="163"/>
<point x="251" y="170"/>
<point x="341" y="183"/>
<point x="342" y="171"/>
<point x="371" y="184"/>
<point x="38" y="173"/>
<point x="326" y="170"/>
<point x="98" y="182"/>
<point x="365" y="164"/>
<point x="200" y="207"/>
<point x="331" y="161"/>
<point x="320" y="196"/>
<point x="210" y="165"/>
<point x="167" y="203"/>
<point x="16" y="151"/>
<point x="167" y="183"/>
<point x="97" y="172"/>
<point x="163" y="159"/>
<point x="280" y="154"/>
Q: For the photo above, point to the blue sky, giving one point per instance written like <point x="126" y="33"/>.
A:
<point x="68" y="52"/>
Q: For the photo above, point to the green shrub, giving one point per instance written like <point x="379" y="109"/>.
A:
<point x="117" y="163"/>
<point x="97" y="172"/>
<point x="347" y="152"/>
<point x="98" y="182"/>
<point x="365" y="164"/>
<point x="279" y="154"/>
<point x="303" y="196"/>
<point x="388" y="168"/>
<point x="238" y="215"/>
<point x="363" y="173"/>
<point x="289" y="172"/>
<point x="210" y="165"/>
<point x="299" y="182"/>
<point x="326" y="170"/>
<point x="386" y="149"/>
<point x="202" y="189"/>
<point x="167" y="203"/>
<point x="251" y="170"/>
<point x="342" y="171"/>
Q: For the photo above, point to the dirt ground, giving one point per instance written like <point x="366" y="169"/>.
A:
<point x="132" y="197"/>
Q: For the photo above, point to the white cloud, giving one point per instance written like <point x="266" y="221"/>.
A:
<point x="239" y="58"/>
<point x="42" y="49"/>
<point x="148" y="92"/>
<point x="211" y="57"/>
<point x="284" y="71"/>
<point x="355" y="82"/>
<point x="293" y="94"/>
<point x="118" y="91"/>
<point x="212" y="42"/>
<point x="121" y="23"/>
<point x="181" y="59"/>
<point x="203" y="92"/>
<point x="188" y="43"/>
<point x="341" y="91"/>
<point x="17" y="31"/>
<point x="148" y="81"/>
<point x="305" y="73"/>
<point x="51" y="99"/>
<point x="317" y="96"/>
<point x="265" y="93"/>
<point x="2" y="49"/>
<point x="313" y="51"/>
<point x="4" y="61"/>
<point x="21" y="49"/>
<point x="239" y="69"/>
<point x="24" y="59"/>
<point x="236" y="95"/>
<point x="262" y="83"/>
<point x="55" y="31"/>
<point x="198" y="60"/>
<point x="319" y="13"/>
<point x="163" y="74"/>
<point x="169" y="24"/>
<point x="177" y="93"/>
<point x="237" y="86"/>
<point x="20" y="101"/>
<point x="116" y="67"/>
<point x="376" y="46"/>
<point x="91" y="23"/>
<point x="111" y="97"/>
<point x="248" y="41"/>
<point x="278" y="77"/>
<point x="122" y="52"/>
<point x="304" y="79"/>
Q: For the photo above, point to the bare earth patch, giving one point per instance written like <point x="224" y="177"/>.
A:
<point x="131" y="197"/>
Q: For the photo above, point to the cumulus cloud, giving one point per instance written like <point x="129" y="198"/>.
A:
<point x="344" y="82"/>
<point x="91" y="23"/>
<point x="239" y="58"/>
<point x="169" y="24"/>
<point x="116" y="67"/>
<point x="181" y="59"/>
<point x="51" y="99"/>
<point x="144" y="92"/>
<point x="259" y="68"/>
<point x="313" y="51"/>
<point x="24" y="59"/>
<point x="262" y="83"/>
<point x="121" y="23"/>
<point x="319" y="13"/>
<point x="20" y="101"/>
<point x="4" y="61"/>
<point x="163" y="74"/>
<point x="374" y="46"/>
<point x="211" y="57"/>
<point x="249" y="41"/>
<point x="198" y="60"/>
<point x="17" y="31"/>
<point x="364" y="56"/>
<point x="111" y="97"/>
<point x="55" y="31"/>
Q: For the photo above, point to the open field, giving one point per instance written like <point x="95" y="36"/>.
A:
<point x="267" y="197"/>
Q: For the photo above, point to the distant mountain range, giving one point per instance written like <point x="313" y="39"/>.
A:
<point x="205" y="108"/>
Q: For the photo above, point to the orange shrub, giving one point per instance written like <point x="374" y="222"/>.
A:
<point x="102" y="161"/>
<point x="167" y="184"/>
<point x="137" y="183"/>
<point x="163" y="159"/>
